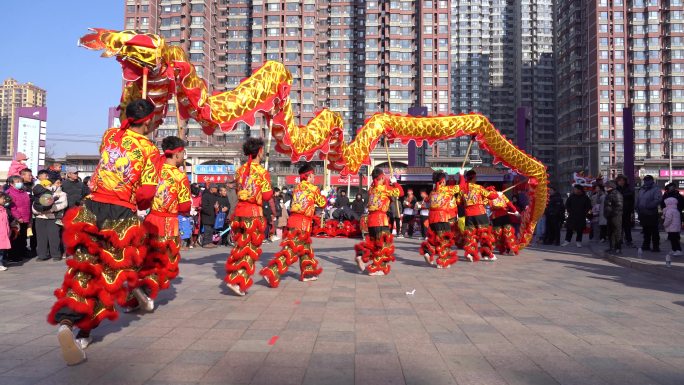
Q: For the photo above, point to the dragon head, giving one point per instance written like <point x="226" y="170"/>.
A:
<point x="140" y="49"/>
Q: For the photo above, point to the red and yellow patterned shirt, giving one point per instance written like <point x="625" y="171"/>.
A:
<point x="379" y="199"/>
<point x="173" y="192"/>
<point x="305" y="198"/>
<point x="252" y="190"/>
<point x="475" y="198"/>
<point x="126" y="164"/>
<point x="443" y="203"/>
<point x="501" y="206"/>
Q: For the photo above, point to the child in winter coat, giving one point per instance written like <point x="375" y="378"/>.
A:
<point x="18" y="164"/>
<point x="5" y="243"/>
<point x="673" y="225"/>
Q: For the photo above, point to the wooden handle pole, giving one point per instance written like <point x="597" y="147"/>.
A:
<point x="146" y="72"/>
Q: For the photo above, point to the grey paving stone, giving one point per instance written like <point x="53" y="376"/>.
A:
<point x="547" y="316"/>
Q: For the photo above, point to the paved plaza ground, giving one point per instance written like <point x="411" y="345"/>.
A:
<point x="549" y="316"/>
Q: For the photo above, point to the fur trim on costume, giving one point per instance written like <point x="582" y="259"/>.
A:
<point x="248" y="234"/>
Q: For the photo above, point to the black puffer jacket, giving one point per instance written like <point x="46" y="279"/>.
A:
<point x="577" y="205"/>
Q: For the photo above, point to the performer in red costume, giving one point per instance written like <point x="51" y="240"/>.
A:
<point x="296" y="244"/>
<point x="104" y="235"/>
<point x="437" y="248"/>
<point x="378" y="245"/>
<point x="477" y="228"/>
<point x="504" y="234"/>
<point x="253" y="183"/>
<point x="163" y="240"/>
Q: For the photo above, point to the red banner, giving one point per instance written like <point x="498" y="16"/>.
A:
<point x="335" y="180"/>
<point x="214" y="178"/>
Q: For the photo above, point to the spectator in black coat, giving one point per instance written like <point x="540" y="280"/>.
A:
<point x="358" y="206"/>
<point x="578" y="205"/>
<point x="74" y="188"/>
<point x="208" y="215"/>
<point x="555" y="216"/>
<point x="627" y="207"/>
<point x="342" y="201"/>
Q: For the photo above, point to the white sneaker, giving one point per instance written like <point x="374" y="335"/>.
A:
<point x="428" y="259"/>
<point x="677" y="253"/>
<point x="444" y="267"/>
<point x="469" y="257"/>
<point x="72" y="353"/>
<point x="236" y="290"/>
<point x="602" y="241"/>
<point x="83" y="343"/>
<point x="145" y="302"/>
<point x="310" y="278"/>
<point x="579" y="244"/>
<point x="565" y="243"/>
<point x="485" y="258"/>
<point x="3" y="268"/>
<point x="360" y="264"/>
<point x="275" y="238"/>
<point x="493" y="258"/>
<point x="377" y="273"/>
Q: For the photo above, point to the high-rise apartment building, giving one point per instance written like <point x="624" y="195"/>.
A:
<point x="613" y="54"/>
<point x="359" y="57"/>
<point x="535" y="88"/>
<point x="12" y="96"/>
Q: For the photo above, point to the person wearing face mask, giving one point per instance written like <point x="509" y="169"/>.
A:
<point x="5" y="243"/>
<point x="104" y="235"/>
<point x="377" y="249"/>
<point x="21" y="212"/>
<point x="163" y="241"/>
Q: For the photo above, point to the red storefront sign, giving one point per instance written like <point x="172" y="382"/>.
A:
<point x="214" y="178"/>
<point x="335" y="180"/>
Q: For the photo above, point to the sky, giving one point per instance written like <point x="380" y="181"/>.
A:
<point x="39" y="46"/>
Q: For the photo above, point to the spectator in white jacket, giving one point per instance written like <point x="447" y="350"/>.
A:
<point x="48" y="225"/>
<point x="672" y="222"/>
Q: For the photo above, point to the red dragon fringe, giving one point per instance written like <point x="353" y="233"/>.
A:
<point x="248" y="234"/>
<point x="380" y="251"/>
<point x="293" y="248"/>
<point x="438" y="245"/>
<point x="95" y="278"/>
<point x="505" y="239"/>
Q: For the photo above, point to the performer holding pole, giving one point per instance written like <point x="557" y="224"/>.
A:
<point x="163" y="241"/>
<point x="248" y="225"/>
<point x="397" y="223"/>
<point x="477" y="229"/>
<point x="104" y="235"/>
<point x="440" y="237"/>
<point x="377" y="249"/>
<point x="296" y="244"/>
<point x="503" y="232"/>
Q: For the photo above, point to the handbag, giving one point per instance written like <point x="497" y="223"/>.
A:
<point x="220" y="220"/>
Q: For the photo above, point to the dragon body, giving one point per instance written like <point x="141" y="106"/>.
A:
<point x="266" y="92"/>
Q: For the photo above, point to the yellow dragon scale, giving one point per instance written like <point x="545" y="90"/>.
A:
<point x="266" y="91"/>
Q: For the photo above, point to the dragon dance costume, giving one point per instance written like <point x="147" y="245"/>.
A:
<point x="296" y="244"/>
<point x="504" y="234"/>
<point x="248" y="224"/>
<point x="477" y="229"/>
<point x="163" y="242"/>
<point x="440" y="239"/>
<point x="104" y="235"/>
<point x="378" y="245"/>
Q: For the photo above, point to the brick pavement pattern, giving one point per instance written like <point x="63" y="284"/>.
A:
<point x="548" y="316"/>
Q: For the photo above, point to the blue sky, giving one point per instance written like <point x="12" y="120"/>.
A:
<point x="39" y="45"/>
